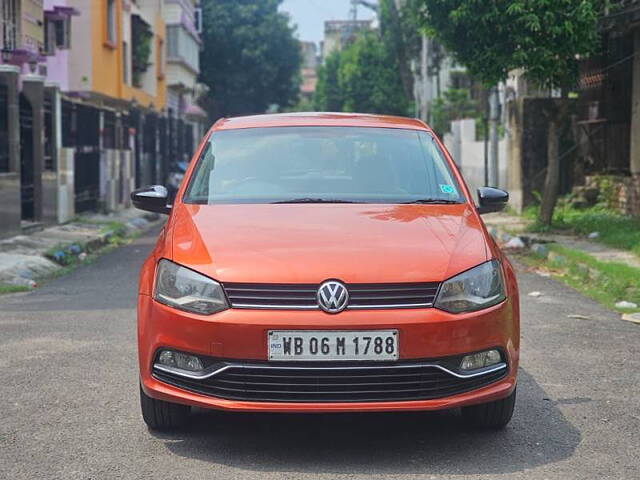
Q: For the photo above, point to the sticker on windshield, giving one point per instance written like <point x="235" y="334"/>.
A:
<point x="448" y="189"/>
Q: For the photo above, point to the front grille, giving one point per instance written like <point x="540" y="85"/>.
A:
<point x="279" y="383"/>
<point x="302" y="296"/>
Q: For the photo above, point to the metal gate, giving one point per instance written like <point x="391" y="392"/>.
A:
<point x="87" y="180"/>
<point x="87" y="158"/>
<point x="26" y="159"/>
<point x="4" y="129"/>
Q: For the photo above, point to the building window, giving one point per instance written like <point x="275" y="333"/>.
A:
<point x="125" y="63"/>
<point x="9" y="27"/>
<point x="57" y="35"/>
<point x="197" y="15"/>
<point x="111" y="22"/>
<point x="182" y="47"/>
<point x="141" y="49"/>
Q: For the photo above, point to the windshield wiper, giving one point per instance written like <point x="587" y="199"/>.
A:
<point x="443" y="201"/>
<point x="315" y="200"/>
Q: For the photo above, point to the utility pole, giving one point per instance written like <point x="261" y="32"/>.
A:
<point x="494" y="119"/>
<point x="353" y="12"/>
<point x="424" y="80"/>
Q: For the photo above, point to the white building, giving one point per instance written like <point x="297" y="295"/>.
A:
<point x="183" y="21"/>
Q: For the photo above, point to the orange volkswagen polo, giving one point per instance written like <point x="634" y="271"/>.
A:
<point x="325" y="263"/>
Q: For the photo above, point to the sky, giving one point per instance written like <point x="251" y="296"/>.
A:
<point x="310" y="15"/>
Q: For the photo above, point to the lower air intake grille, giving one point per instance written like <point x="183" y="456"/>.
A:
<point x="280" y="383"/>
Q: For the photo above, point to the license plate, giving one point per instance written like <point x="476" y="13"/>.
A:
<point x="319" y="345"/>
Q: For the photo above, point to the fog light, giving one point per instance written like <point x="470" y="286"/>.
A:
<point x="180" y="360"/>
<point x="480" y="360"/>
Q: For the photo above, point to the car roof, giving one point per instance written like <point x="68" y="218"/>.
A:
<point x="319" y="119"/>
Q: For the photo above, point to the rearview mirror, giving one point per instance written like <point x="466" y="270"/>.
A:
<point x="151" y="199"/>
<point x="491" y="199"/>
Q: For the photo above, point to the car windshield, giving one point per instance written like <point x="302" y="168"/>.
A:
<point x="322" y="164"/>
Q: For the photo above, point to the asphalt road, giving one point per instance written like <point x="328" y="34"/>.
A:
<point x="69" y="401"/>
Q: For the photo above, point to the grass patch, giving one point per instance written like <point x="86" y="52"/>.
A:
<point x="605" y="282"/>
<point x="117" y="228"/>
<point x="614" y="229"/>
<point x="13" y="288"/>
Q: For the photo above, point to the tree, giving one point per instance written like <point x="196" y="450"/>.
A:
<point x="369" y="79"/>
<point x="543" y="37"/>
<point x="400" y="38"/>
<point x="250" y="58"/>
<point x="361" y="78"/>
<point x="455" y="104"/>
<point x="328" y="97"/>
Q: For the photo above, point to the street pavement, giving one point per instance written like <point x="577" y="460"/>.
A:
<point x="69" y="401"/>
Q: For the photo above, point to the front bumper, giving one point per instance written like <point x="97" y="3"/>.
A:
<point x="240" y="337"/>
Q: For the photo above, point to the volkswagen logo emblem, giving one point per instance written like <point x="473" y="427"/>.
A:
<point x="333" y="296"/>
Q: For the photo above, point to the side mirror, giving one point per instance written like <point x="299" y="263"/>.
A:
<point x="151" y="199"/>
<point x="491" y="199"/>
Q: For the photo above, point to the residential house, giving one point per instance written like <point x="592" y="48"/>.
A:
<point x="608" y="123"/>
<point x="21" y="113"/>
<point x="113" y="80"/>
<point x="188" y="121"/>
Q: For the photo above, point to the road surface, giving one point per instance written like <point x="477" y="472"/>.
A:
<point x="69" y="401"/>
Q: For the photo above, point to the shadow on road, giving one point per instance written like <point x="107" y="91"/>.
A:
<point x="413" y="443"/>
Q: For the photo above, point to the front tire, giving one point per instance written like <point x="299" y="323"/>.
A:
<point x="161" y="415"/>
<point x="492" y="415"/>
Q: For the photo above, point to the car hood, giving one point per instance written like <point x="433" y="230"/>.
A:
<point x="302" y="243"/>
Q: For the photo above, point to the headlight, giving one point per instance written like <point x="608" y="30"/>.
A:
<point x="474" y="289"/>
<point x="185" y="289"/>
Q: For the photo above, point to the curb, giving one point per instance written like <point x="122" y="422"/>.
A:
<point x="540" y="249"/>
<point x="24" y="270"/>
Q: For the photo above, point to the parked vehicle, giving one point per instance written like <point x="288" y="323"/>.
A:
<point x="326" y="263"/>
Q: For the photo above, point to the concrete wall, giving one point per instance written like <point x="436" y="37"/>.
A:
<point x="66" y="204"/>
<point x="528" y="124"/>
<point x="116" y="179"/>
<point x="469" y="154"/>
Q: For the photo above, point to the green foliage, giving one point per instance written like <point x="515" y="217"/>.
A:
<point x="372" y="75"/>
<point x="141" y="38"/>
<point x="303" y="105"/>
<point x="455" y="104"/>
<point x="614" y="229"/>
<point x="250" y="58"/>
<point x="5" y="288"/>
<point x="328" y="95"/>
<point x="544" y="37"/>
<point x="369" y="79"/>
<point x="606" y="282"/>
<point x="363" y="78"/>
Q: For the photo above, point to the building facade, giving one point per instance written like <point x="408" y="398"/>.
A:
<point x="21" y="113"/>
<point x="96" y="97"/>
<point x="184" y="25"/>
